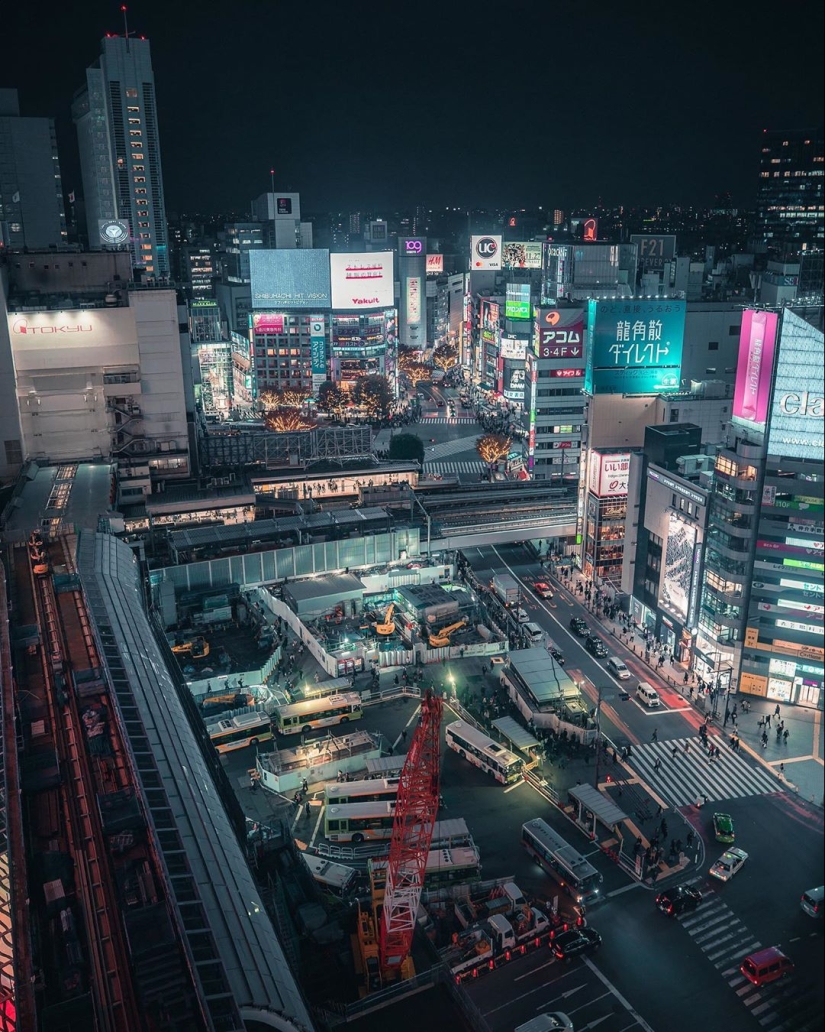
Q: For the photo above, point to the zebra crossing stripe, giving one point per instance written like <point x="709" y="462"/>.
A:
<point x="688" y="775"/>
<point x="454" y="467"/>
<point x="448" y="420"/>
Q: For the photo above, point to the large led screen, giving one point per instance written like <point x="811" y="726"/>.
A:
<point x="681" y="539"/>
<point x="521" y="254"/>
<point x="362" y="280"/>
<point x="798" y="409"/>
<point x="290" y="279"/>
<point x="635" y="346"/>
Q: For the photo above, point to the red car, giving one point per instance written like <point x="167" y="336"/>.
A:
<point x="543" y="590"/>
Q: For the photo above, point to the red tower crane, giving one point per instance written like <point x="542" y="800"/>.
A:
<point x="416" y="810"/>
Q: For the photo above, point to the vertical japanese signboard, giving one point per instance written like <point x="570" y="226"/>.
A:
<point x="318" y="350"/>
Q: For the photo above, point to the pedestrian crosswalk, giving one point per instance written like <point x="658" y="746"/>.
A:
<point x="680" y="772"/>
<point x="474" y="468"/>
<point x="725" y="941"/>
<point x="447" y="420"/>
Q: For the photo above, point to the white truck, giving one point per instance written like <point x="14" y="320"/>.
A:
<point x="504" y="899"/>
<point x="506" y="588"/>
<point x="491" y="938"/>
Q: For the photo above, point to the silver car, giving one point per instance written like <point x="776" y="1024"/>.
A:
<point x="618" y="669"/>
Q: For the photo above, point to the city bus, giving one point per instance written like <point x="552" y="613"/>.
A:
<point x="321" y="712"/>
<point x="484" y="752"/>
<point x="338" y="879"/>
<point x="373" y="791"/>
<point x="241" y="730"/>
<point x="577" y="876"/>
<point x="359" y="822"/>
<point x="444" y="866"/>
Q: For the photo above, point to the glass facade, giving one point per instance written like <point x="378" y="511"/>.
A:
<point x="790" y="192"/>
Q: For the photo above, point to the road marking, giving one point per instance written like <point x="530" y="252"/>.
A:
<point x="541" y="967"/>
<point x="624" y="888"/>
<point x="624" y="1002"/>
<point x="317" y="827"/>
<point x="513" y="786"/>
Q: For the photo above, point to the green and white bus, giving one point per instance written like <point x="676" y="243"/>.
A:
<point x="484" y="752"/>
<point x="359" y="822"/>
<point x="325" y="711"/>
<point x="374" y="791"/>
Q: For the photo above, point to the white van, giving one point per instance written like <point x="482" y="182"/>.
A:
<point x="535" y="635"/>
<point x="648" y="694"/>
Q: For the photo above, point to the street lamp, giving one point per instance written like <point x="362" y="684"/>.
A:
<point x="598" y="731"/>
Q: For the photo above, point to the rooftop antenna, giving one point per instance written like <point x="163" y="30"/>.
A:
<point x="124" y="9"/>
<point x="272" y="180"/>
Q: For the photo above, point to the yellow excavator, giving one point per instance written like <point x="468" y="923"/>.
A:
<point x="442" y="637"/>
<point x="387" y="626"/>
<point x="195" y="648"/>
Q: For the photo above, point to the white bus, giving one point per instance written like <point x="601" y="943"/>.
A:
<point x="373" y="791"/>
<point x="443" y="867"/>
<point x="577" y="876"/>
<point x="321" y="712"/>
<point x="338" y="879"/>
<point x="241" y="730"/>
<point x="359" y="822"/>
<point x="484" y="752"/>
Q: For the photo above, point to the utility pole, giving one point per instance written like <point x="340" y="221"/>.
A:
<point x="598" y="732"/>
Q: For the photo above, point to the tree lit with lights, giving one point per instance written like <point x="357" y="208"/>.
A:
<point x="492" y="448"/>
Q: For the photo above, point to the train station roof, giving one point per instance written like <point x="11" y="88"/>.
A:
<point x="241" y="964"/>
<point x="518" y="736"/>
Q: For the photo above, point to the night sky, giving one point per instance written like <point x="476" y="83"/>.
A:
<point x="383" y="105"/>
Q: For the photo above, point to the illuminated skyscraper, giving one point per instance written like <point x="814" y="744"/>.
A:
<point x="117" y="129"/>
<point x="789" y="201"/>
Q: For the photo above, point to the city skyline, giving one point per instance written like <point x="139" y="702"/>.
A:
<point x="343" y="123"/>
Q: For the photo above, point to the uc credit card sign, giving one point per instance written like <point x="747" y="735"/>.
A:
<point x="635" y="346"/>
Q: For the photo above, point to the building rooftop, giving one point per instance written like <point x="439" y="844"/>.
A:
<point x="337" y="585"/>
<point x="54" y="498"/>
<point x="542" y="676"/>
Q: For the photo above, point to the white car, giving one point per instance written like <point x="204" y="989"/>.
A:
<point x="617" y="667"/>
<point x="728" y="863"/>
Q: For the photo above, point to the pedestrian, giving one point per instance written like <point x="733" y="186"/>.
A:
<point x="685" y="678"/>
<point x="404" y="735"/>
<point x="655" y="736"/>
<point x="764" y="739"/>
<point x="659" y="811"/>
<point x="767" y="720"/>
<point x="675" y="752"/>
<point x="761" y="723"/>
<point x="785" y="736"/>
<point x="306" y="809"/>
<point x="776" y="711"/>
<point x="656" y="766"/>
<point x="663" y="828"/>
<point x="690" y="838"/>
<point x="687" y="746"/>
<point x="305" y="785"/>
<point x="782" y="769"/>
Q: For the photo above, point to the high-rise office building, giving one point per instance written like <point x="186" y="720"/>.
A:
<point x="117" y="129"/>
<point x="789" y="201"/>
<point x="31" y="192"/>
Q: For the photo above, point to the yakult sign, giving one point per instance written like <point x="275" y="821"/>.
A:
<point x="362" y="280"/>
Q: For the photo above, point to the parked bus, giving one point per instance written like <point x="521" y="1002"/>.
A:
<point x="322" y="712"/>
<point x="359" y="822"/>
<point x="239" y="731"/>
<point x="373" y="791"/>
<point x="443" y="867"/>
<point x="338" y="879"/>
<point x="484" y="752"/>
<point x="577" y="876"/>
